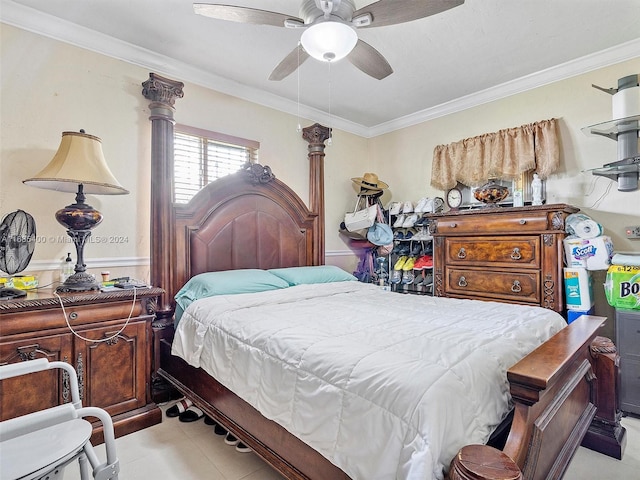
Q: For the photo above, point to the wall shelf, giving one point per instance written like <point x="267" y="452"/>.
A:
<point x="612" y="128"/>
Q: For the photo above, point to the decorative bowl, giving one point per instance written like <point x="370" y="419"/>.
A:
<point x="491" y="193"/>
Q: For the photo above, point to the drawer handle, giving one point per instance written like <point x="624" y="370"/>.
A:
<point x="28" y="352"/>
<point x="453" y="225"/>
<point x="462" y="282"/>
<point x="73" y="315"/>
<point x="516" y="287"/>
<point x="523" y="221"/>
<point x="462" y="254"/>
<point x="516" y="255"/>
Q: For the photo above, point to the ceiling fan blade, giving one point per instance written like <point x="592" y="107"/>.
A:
<point x="370" y="61"/>
<point x="391" y="12"/>
<point x="289" y="64"/>
<point x="242" y="14"/>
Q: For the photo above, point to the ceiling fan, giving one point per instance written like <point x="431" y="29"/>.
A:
<point x="330" y="28"/>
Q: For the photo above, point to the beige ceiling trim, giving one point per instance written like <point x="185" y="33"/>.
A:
<point x="37" y="22"/>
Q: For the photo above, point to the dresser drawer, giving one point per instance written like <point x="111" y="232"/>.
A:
<point x="630" y="385"/>
<point x="493" y="251"/>
<point x="628" y="333"/>
<point x="53" y="316"/>
<point x="508" y="254"/>
<point x="511" y="223"/>
<point x="522" y="287"/>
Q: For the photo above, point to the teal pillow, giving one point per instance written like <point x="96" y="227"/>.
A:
<point x="308" y="275"/>
<point x="227" y="282"/>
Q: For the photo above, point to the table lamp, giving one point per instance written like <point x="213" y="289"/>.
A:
<point x="78" y="166"/>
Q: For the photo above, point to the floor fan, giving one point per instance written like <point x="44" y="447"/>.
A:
<point x="17" y="242"/>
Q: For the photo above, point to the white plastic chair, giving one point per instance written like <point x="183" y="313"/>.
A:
<point x="41" y="444"/>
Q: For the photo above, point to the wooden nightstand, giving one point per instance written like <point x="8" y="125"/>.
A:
<point x="114" y="374"/>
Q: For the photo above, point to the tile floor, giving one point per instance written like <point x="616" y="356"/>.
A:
<point x="191" y="451"/>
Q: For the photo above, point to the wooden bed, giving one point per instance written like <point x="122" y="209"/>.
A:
<point x="253" y="220"/>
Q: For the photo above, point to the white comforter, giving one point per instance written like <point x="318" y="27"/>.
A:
<point x="383" y="385"/>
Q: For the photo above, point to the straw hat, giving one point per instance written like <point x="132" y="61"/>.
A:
<point x="370" y="181"/>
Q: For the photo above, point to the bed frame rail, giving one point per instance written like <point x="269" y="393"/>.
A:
<point x="276" y="446"/>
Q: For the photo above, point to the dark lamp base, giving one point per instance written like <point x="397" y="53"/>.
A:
<point x="79" y="282"/>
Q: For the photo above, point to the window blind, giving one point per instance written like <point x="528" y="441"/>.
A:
<point x="200" y="157"/>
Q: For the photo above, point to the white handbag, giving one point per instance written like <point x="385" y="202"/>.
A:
<point x="359" y="219"/>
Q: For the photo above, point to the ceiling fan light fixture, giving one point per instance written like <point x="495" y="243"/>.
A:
<point x="329" y="41"/>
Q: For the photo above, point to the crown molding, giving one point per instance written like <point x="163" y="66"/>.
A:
<point x="56" y="28"/>
<point x="40" y="23"/>
<point x="594" y="61"/>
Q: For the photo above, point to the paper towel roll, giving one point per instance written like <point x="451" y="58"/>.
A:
<point x="602" y="252"/>
<point x="589" y="253"/>
<point x="575" y="251"/>
<point x="626" y="103"/>
<point x="582" y="226"/>
<point x="578" y="289"/>
<point x="622" y="287"/>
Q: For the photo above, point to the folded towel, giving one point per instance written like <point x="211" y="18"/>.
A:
<point x="626" y="259"/>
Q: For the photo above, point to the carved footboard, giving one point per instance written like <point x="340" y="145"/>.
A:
<point x="554" y="390"/>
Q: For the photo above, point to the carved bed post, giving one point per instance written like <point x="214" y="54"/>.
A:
<point x="316" y="135"/>
<point x="606" y="435"/>
<point x="162" y="92"/>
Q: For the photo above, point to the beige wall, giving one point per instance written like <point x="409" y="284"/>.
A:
<point x="49" y="87"/>
<point x="403" y="158"/>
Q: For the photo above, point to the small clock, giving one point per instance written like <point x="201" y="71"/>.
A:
<point x="454" y="198"/>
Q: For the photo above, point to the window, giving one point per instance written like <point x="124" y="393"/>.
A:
<point x="200" y="157"/>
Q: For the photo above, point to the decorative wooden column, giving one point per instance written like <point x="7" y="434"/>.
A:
<point x="162" y="92"/>
<point x="316" y="135"/>
<point x="606" y="435"/>
<point x="481" y="462"/>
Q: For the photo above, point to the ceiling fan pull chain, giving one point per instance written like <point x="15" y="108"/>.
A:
<point x="298" y="127"/>
<point x="329" y="141"/>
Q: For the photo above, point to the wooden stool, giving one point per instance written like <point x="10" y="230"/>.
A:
<point x="481" y="462"/>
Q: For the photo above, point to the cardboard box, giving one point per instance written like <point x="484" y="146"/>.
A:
<point x="575" y="314"/>
<point x="578" y="289"/>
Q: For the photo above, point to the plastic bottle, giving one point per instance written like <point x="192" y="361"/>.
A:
<point x="67" y="269"/>
<point x="518" y="199"/>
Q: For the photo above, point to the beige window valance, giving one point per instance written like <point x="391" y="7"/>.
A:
<point x="500" y="155"/>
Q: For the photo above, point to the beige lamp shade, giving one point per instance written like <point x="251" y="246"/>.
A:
<point x="79" y="160"/>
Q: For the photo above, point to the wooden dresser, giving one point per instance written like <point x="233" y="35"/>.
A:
<point x="113" y="374"/>
<point x="509" y="254"/>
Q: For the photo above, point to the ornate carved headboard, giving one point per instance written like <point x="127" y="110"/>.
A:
<point x="246" y="220"/>
<point x="240" y="222"/>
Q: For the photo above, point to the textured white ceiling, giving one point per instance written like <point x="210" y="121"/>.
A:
<point x="472" y="53"/>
